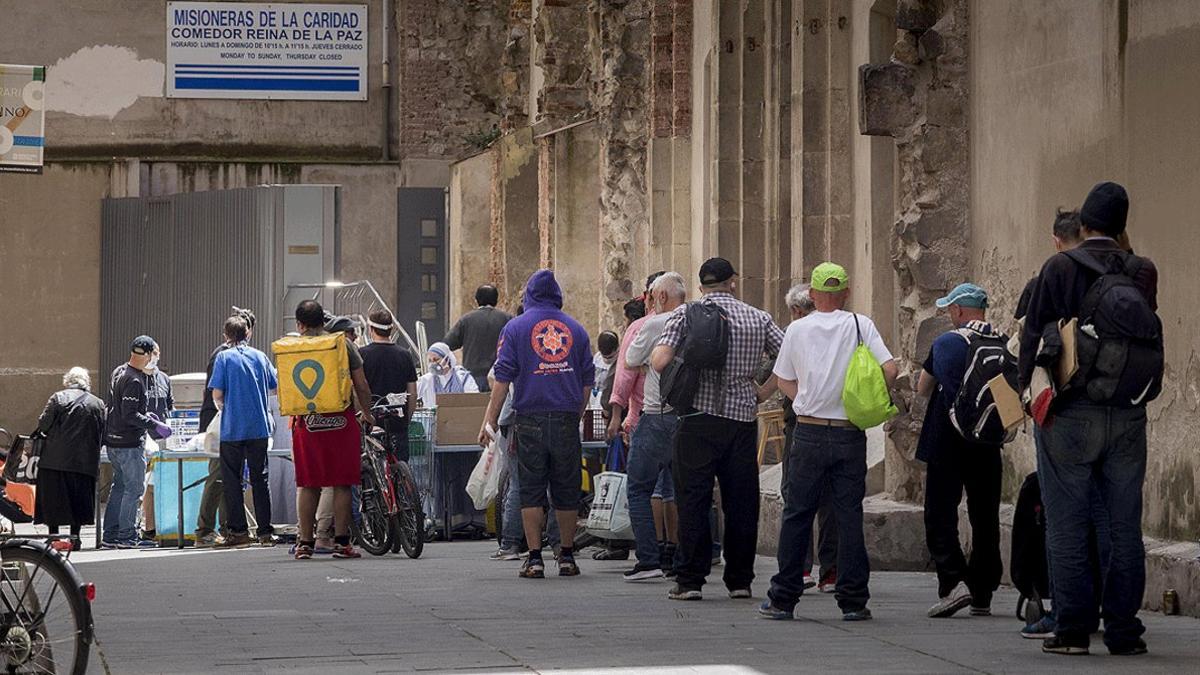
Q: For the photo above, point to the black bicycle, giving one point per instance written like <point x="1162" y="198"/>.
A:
<point x="392" y="517"/>
<point x="45" y="607"/>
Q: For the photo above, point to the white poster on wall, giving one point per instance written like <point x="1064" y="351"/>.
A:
<point x="22" y="118"/>
<point x="267" y="50"/>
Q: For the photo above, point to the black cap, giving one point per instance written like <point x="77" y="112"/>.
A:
<point x="715" y="271"/>
<point x="142" y="345"/>
<point x="1105" y="209"/>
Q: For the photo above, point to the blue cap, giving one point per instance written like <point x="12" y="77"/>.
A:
<point x="964" y="295"/>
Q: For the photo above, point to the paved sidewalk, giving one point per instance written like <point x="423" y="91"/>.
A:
<point x="256" y="611"/>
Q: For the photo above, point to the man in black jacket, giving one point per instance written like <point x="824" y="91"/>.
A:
<point x="1091" y="446"/>
<point x="125" y="437"/>
<point x="477" y="332"/>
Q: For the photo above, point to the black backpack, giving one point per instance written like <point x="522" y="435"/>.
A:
<point x="973" y="411"/>
<point x="1030" y="574"/>
<point x="704" y="348"/>
<point x="1119" y="338"/>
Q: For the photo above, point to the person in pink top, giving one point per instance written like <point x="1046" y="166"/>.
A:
<point x="627" y="393"/>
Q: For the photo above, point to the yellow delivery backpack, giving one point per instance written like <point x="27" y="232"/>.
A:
<point x="314" y="374"/>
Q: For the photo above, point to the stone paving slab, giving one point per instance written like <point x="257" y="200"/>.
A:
<point x="258" y="611"/>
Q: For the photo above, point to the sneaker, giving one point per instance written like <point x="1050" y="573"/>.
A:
<point x="681" y="593"/>
<point x="828" y="582"/>
<point x="1135" y="648"/>
<point x="206" y="540"/>
<point x="346" y="551"/>
<point x="951" y="603"/>
<point x="716" y="561"/>
<point x="1042" y="629"/>
<point x="235" y="541"/>
<point x="505" y="554"/>
<point x="809" y="581"/>
<point x="640" y="573"/>
<point x="1066" y="646"/>
<point x="740" y="594"/>
<point x="267" y="540"/>
<point x="145" y="544"/>
<point x="768" y="610"/>
<point x="149" y="534"/>
<point x="303" y="552"/>
<point x="533" y="568"/>
<point x="109" y="545"/>
<point x="863" y="614"/>
<point x="611" y="554"/>
<point x="981" y="611"/>
<point x="669" y="573"/>
<point x="323" y="546"/>
<point x="567" y="566"/>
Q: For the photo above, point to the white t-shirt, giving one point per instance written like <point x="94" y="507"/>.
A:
<point x="816" y="354"/>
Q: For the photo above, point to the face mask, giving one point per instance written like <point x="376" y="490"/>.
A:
<point x="440" y="368"/>
<point x="153" y="365"/>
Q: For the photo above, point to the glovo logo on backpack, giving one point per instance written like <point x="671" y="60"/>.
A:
<point x="314" y="374"/>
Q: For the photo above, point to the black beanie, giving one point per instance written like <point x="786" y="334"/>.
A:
<point x="1105" y="209"/>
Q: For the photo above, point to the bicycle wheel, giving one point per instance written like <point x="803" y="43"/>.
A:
<point x="410" y="521"/>
<point x="374" y="532"/>
<point x="45" y="616"/>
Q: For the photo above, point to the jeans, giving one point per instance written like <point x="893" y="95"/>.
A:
<point x="129" y="481"/>
<point x="212" y="501"/>
<point x="708" y="447"/>
<point x="1090" y="447"/>
<point x="822" y="455"/>
<point x="977" y="471"/>
<point x="513" y="535"/>
<point x="549" y="455"/>
<point x="649" y="459"/>
<point x="233" y="455"/>
<point x="827" y="541"/>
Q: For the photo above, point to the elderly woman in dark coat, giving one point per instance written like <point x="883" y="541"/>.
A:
<point x="73" y="426"/>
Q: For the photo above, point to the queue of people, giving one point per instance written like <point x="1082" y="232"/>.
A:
<point x="681" y="390"/>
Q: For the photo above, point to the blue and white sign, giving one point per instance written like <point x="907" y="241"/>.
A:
<point x="267" y="50"/>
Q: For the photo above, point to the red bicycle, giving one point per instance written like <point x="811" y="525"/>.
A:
<point x="391" y="515"/>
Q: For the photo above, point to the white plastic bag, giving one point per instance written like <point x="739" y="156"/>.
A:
<point x="609" y="516"/>
<point x="484" y="483"/>
<point x="212" y="435"/>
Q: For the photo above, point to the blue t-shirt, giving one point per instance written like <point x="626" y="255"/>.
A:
<point x="245" y="377"/>
<point x="947" y="362"/>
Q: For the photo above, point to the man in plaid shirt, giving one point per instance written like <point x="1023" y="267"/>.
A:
<point x="717" y="439"/>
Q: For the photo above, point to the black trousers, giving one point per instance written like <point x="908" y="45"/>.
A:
<point x="977" y="471"/>
<point x="709" y="447"/>
<point x="234" y="454"/>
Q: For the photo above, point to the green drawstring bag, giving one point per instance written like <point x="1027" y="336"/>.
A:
<point x="865" y="394"/>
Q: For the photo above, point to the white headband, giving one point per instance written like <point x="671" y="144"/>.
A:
<point x="380" y="326"/>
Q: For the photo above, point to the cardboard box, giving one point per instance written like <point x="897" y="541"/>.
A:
<point x="459" y="417"/>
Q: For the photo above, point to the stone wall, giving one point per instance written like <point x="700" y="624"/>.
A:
<point x="919" y="98"/>
<point x="448" y="93"/>
<point x="621" y="72"/>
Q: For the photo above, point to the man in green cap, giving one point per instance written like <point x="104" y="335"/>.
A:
<point x="827" y="449"/>
<point x="956" y="463"/>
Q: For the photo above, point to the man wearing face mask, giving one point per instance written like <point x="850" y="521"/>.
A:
<point x="160" y="402"/>
<point x="125" y="437"/>
<point x="445" y="376"/>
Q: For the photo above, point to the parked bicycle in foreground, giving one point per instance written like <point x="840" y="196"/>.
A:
<point x="392" y="518"/>
<point x="45" y="607"/>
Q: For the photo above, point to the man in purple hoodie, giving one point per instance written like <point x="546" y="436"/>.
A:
<point x="546" y="357"/>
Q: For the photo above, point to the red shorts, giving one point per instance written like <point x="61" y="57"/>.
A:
<point x="326" y="449"/>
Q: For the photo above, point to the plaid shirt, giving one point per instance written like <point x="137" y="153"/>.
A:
<point x="730" y="393"/>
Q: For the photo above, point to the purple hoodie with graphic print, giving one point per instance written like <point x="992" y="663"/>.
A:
<point x="544" y="353"/>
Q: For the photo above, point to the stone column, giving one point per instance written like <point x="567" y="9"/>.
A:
<point x="620" y="43"/>
<point x="919" y="98"/>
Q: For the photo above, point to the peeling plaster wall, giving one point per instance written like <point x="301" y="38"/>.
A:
<point x="1113" y="99"/>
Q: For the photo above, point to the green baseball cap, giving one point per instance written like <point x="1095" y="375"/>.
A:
<point x="830" y="277"/>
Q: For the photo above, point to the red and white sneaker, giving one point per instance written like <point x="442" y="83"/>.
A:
<point x="828" y="581"/>
<point x="347" y="551"/>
